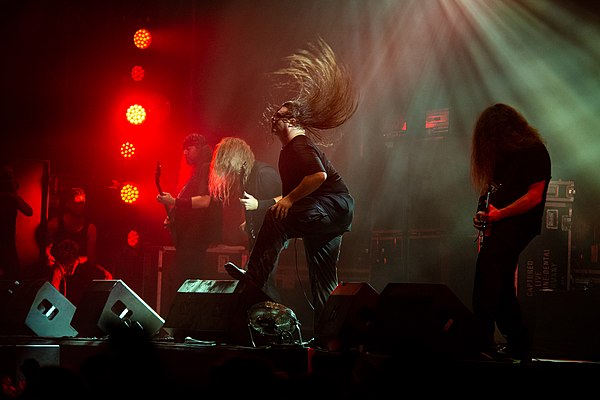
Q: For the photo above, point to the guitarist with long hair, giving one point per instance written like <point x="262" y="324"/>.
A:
<point x="194" y="218"/>
<point x="235" y="173"/>
<point x="511" y="154"/>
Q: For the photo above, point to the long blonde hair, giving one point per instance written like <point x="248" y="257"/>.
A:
<point x="325" y="94"/>
<point x="230" y="167"/>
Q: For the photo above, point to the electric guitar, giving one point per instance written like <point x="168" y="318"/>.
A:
<point x="484" y="205"/>
<point x="171" y="224"/>
<point x="249" y="222"/>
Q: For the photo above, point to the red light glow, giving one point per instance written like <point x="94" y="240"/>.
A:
<point x="142" y="38"/>
<point x="133" y="238"/>
<point x="137" y="73"/>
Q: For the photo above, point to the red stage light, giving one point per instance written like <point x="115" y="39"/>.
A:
<point x="142" y="38"/>
<point x="136" y="114"/>
<point x="127" y="150"/>
<point x="137" y="73"/>
<point x="133" y="238"/>
<point x="129" y="193"/>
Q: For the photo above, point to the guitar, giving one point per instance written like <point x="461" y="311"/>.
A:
<point x="484" y="205"/>
<point x="171" y="224"/>
<point x="249" y="222"/>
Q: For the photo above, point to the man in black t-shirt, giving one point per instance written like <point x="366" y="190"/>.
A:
<point x="195" y="220"/>
<point x="509" y="155"/>
<point x="316" y="204"/>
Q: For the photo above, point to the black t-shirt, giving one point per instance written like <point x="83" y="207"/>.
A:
<point x="264" y="183"/>
<point x="301" y="157"/>
<point x="198" y="225"/>
<point x="514" y="173"/>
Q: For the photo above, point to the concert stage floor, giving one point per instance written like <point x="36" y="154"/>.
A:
<point x="165" y="369"/>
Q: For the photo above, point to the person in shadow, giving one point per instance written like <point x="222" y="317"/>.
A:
<point x="70" y="277"/>
<point x="72" y="223"/>
<point x="11" y="204"/>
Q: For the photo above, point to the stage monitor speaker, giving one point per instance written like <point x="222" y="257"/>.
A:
<point x="36" y="307"/>
<point x="422" y="320"/>
<point x="346" y="316"/>
<point x="213" y="310"/>
<point x="109" y="304"/>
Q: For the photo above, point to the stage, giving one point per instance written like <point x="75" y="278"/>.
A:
<point x="128" y="364"/>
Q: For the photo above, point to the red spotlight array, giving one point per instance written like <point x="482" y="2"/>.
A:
<point x="129" y="193"/>
<point x="136" y="114"/>
<point x="142" y="38"/>
<point x="138" y="73"/>
<point x="127" y="150"/>
<point x="139" y="113"/>
<point x="133" y="238"/>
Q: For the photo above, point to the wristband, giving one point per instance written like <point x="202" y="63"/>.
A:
<point x="184" y="203"/>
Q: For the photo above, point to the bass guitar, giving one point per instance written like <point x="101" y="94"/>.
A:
<point x="170" y="217"/>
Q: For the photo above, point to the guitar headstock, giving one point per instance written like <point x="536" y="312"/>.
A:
<point x="157" y="173"/>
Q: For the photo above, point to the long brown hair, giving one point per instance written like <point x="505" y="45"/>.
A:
<point x="499" y="130"/>
<point x="325" y="94"/>
<point x="230" y="166"/>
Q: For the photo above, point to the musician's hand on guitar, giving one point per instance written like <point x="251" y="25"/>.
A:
<point x="479" y="220"/>
<point x="166" y="199"/>
<point x="249" y="202"/>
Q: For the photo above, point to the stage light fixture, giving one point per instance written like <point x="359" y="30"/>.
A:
<point x="129" y="193"/>
<point x="133" y="238"/>
<point x="127" y="150"/>
<point x="137" y="73"/>
<point x="136" y="114"/>
<point x="142" y="38"/>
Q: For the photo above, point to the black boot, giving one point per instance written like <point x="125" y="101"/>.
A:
<point x="234" y="271"/>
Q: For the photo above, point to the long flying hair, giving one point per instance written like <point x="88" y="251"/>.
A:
<point x="499" y="130"/>
<point x="230" y="166"/>
<point x="325" y="94"/>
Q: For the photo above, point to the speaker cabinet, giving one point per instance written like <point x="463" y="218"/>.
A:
<point x="422" y="320"/>
<point x="566" y="324"/>
<point x="213" y="310"/>
<point x="107" y="304"/>
<point x="346" y="315"/>
<point x="36" y="307"/>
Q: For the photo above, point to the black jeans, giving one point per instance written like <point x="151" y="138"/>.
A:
<point x="321" y="229"/>
<point x="495" y="299"/>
